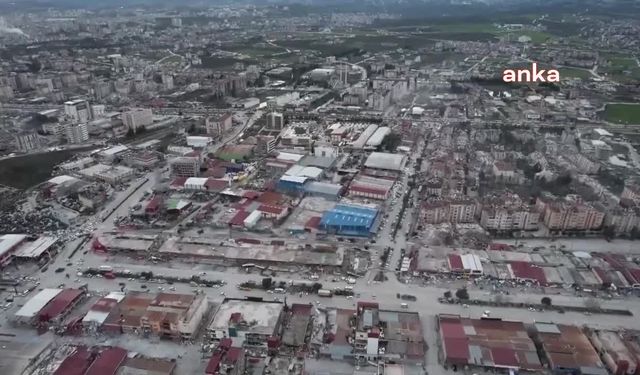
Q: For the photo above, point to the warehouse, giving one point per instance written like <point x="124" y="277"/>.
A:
<point x="196" y="183"/>
<point x="349" y="220"/>
<point x="376" y="139"/>
<point x="37" y="303"/>
<point x="324" y="190"/>
<point x="60" y="305"/>
<point x="385" y="161"/>
<point x="35" y="249"/>
<point x="490" y="344"/>
<point x="291" y="184"/>
<point x="567" y="349"/>
<point x="364" y="136"/>
<point x="9" y="243"/>
<point x="313" y="173"/>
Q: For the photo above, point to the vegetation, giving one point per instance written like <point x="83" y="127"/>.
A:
<point x="622" y="113"/>
<point x="462" y="294"/>
<point x="546" y="301"/>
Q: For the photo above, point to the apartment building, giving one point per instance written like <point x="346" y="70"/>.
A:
<point x="570" y="213"/>
<point x="508" y="213"/>
<point x="449" y="211"/>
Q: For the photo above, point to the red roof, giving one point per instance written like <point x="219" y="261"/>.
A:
<point x="178" y="182"/>
<point x="154" y="203"/>
<point x="505" y="357"/>
<point x="75" y="364"/>
<point x="276" y="210"/>
<point x="232" y="355"/>
<point x="104" y="304"/>
<point x="452" y="330"/>
<point x="214" y="364"/>
<point x="301" y="309"/>
<point x="270" y="197"/>
<point x="108" y="362"/>
<point x="499" y="246"/>
<point x="58" y="304"/>
<point x="455" y="262"/>
<point x="216" y="185"/>
<point x="251" y="194"/>
<point x="238" y="218"/>
<point x="457" y="350"/>
<point x="313" y="222"/>
<point x="527" y="271"/>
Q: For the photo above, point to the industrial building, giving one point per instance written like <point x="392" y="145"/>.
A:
<point x="349" y="220"/>
<point x="488" y="344"/>
<point x="246" y="322"/>
<point x="166" y="315"/>
<point x="567" y="349"/>
<point x="384" y="164"/>
<point x="49" y="306"/>
<point x="9" y="243"/>
<point x="107" y="173"/>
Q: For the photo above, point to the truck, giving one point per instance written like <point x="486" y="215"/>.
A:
<point x="325" y="293"/>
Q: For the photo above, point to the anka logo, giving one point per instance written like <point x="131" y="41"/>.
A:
<point x="533" y="75"/>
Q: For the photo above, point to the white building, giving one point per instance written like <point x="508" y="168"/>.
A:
<point x="135" y="118"/>
<point x="78" y="110"/>
<point x="275" y="120"/>
<point x="199" y="142"/>
<point x="77" y="133"/>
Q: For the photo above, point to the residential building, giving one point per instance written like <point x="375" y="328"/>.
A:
<point x="570" y="213"/>
<point x="76" y="133"/>
<point x="27" y="141"/>
<point x="265" y="144"/>
<point x="631" y="191"/>
<point x="508" y="212"/>
<point x="219" y="125"/>
<point x="137" y="118"/>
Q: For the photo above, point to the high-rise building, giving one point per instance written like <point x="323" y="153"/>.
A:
<point x="77" y="133"/>
<point x="217" y="126"/>
<point x="27" y="142"/>
<point x="275" y="120"/>
<point x="78" y="110"/>
<point x="137" y="117"/>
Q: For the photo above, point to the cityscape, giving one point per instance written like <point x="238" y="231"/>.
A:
<point x="319" y="187"/>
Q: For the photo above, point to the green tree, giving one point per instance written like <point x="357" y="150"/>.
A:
<point x="462" y="294"/>
<point x="546" y="301"/>
<point x="266" y="283"/>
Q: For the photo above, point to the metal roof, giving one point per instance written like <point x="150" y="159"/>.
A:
<point x="378" y="136"/>
<point x="9" y="241"/>
<point x="384" y="160"/>
<point x="38" y="302"/>
<point x="36" y="248"/>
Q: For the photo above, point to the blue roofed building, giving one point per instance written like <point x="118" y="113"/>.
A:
<point x="349" y="220"/>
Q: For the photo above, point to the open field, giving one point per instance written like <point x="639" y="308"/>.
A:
<point x="574" y="73"/>
<point x="622" y="113"/>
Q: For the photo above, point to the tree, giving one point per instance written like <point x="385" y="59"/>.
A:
<point x="462" y="294"/>
<point x="634" y="233"/>
<point x="266" y="283"/>
<point x="546" y="301"/>
<point x="609" y="232"/>
<point x="447" y="294"/>
<point x="391" y="142"/>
